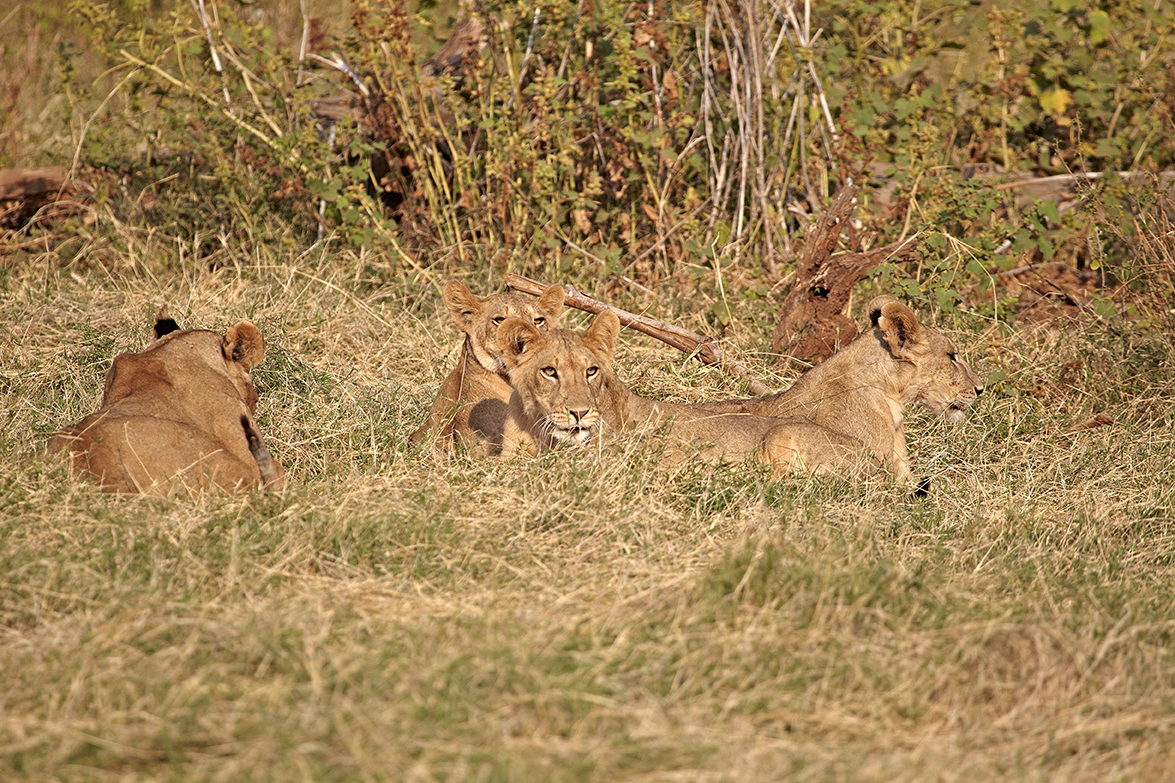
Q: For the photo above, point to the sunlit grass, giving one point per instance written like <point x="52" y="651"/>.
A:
<point x="585" y="615"/>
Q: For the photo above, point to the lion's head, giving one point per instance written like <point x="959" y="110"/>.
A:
<point x="180" y="411"/>
<point x="480" y="318"/>
<point x="941" y="380"/>
<point x="561" y="379"/>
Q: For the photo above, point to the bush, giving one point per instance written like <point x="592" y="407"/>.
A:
<point x="641" y="141"/>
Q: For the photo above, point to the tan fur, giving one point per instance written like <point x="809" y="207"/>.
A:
<point x="178" y="414"/>
<point x="471" y="404"/>
<point x="863" y="390"/>
<point x="565" y="391"/>
<point x="559" y="383"/>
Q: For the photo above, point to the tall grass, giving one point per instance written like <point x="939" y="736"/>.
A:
<point x="586" y="615"/>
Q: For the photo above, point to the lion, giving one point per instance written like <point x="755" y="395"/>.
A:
<point x="179" y="414"/>
<point x="862" y="391"/>
<point x="565" y="392"/>
<point x="470" y="406"/>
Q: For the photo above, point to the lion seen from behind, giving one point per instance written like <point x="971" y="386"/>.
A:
<point x="179" y="414"/>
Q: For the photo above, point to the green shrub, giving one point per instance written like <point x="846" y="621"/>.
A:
<point x="643" y="142"/>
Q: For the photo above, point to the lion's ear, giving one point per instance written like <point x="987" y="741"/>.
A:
<point x="244" y="345"/>
<point x="551" y="302"/>
<point x="164" y="324"/>
<point x="515" y="338"/>
<point x="874" y="308"/>
<point x="898" y="326"/>
<point x="603" y="332"/>
<point x="463" y="304"/>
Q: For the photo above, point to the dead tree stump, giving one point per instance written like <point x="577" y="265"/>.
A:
<point x="811" y="326"/>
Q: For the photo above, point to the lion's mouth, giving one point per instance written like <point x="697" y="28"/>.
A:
<point x="955" y="413"/>
<point x="573" y="434"/>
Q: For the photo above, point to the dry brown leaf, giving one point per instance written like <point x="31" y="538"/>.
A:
<point x="582" y="221"/>
<point x="1100" y="420"/>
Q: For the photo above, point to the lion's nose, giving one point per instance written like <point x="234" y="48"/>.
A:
<point x="577" y="416"/>
<point x="978" y="390"/>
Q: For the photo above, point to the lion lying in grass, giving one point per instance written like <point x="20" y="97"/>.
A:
<point x="832" y="419"/>
<point x="565" y="391"/>
<point x="471" y="404"/>
<point x="178" y="414"/>
<point x="863" y="389"/>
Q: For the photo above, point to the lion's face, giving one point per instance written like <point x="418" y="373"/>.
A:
<point x="944" y="382"/>
<point x="562" y="378"/>
<point x="480" y="318"/>
<point x="940" y="379"/>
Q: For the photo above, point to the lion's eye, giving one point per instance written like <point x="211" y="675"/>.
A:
<point x="591" y="372"/>
<point x="498" y="320"/>
<point x="539" y="321"/>
<point x="549" y="372"/>
<point x="954" y="357"/>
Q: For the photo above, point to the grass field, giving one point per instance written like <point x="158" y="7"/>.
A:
<point x="585" y="615"/>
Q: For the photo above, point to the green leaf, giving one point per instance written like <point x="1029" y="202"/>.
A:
<point x="1046" y="248"/>
<point x="1099" y="26"/>
<point x="1056" y="101"/>
<point x="946" y="299"/>
<point x="1105" y="308"/>
<point x="1049" y="210"/>
<point x="863" y="117"/>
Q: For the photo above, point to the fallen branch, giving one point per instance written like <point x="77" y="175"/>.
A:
<point x="706" y="349"/>
<point x="26" y="192"/>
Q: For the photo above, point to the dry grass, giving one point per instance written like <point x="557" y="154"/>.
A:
<point x="583" y="616"/>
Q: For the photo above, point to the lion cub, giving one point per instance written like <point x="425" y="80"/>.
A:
<point x="863" y="389"/>
<point x="565" y="391"/>
<point x="470" y="406"/>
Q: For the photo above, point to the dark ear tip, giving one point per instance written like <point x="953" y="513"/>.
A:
<point x="165" y="327"/>
<point x="923" y="488"/>
<point x="164" y="323"/>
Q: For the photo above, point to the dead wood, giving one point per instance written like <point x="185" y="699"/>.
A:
<point x="811" y="326"/>
<point x="468" y="38"/>
<point x="25" y="192"/>
<point x="706" y="349"/>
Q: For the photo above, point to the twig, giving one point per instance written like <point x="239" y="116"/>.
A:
<point x="534" y="26"/>
<point x="706" y="349"/>
<point x="305" y="44"/>
<point x="198" y="6"/>
<point x="339" y="65"/>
